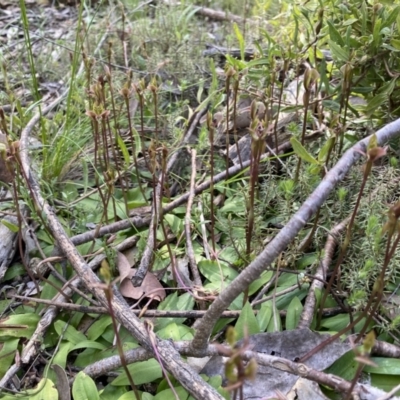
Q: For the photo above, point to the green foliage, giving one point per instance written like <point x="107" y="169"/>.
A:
<point x="95" y="174"/>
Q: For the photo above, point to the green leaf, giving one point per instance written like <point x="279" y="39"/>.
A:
<point x="261" y="281"/>
<point x="12" y="227"/>
<point x="293" y="313"/>
<point x="98" y="327"/>
<point x="175" y="223"/>
<point x="282" y="302"/>
<point x="131" y="396"/>
<point x="61" y="357"/>
<point x="264" y="315"/>
<point x="334" y="34"/>
<point x="339" y="322"/>
<point x="247" y="323"/>
<point x="217" y="272"/>
<point x="141" y="372"/>
<point x="135" y="198"/>
<point x="345" y="366"/>
<point x="173" y="302"/>
<point x="70" y="334"/>
<point x="386" y="382"/>
<point x="84" y="388"/>
<point x="338" y="53"/>
<point x="257" y="62"/>
<point x="240" y="39"/>
<point x="111" y="392"/>
<point x="387" y="366"/>
<point x="275" y="323"/>
<point x="169" y="395"/>
<point x="325" y="149"/>
<point x="176" y="332"/>
<point x="375" y="102"/>
<point x="25" y="325"/>
<point x="89" y="344"/>
<point x="45" y="390"/>
<point x="7" y="354"/>
<point x="300" y="150"/>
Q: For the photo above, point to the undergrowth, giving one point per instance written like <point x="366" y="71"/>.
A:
<point x="102" y="156"/>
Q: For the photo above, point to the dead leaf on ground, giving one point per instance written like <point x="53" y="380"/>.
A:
<point x="150" y="287"/>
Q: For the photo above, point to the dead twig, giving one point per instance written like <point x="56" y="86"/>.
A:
<point x="189" y="244"/>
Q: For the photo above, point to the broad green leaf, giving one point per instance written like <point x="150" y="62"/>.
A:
<point x="247" y="323"/>
<point x="89" y="356"/>
<point x="45" y="390"/>
<point x="70" y="333"/>
<point x="174" y="302"/>
<point x="338" y="53"/>
<point x="375" y="102"/>
<point x="217" y="271"/>
<point x="257" y="62"/>
<point x="7" y="354"/>
<point x="234" y="205"/>
<point x="307" y="260"/>
<point x="282" y="302"/>
<point x="221" y="323"/>
<point x="111" y="392"/>
<point x="175" y="332"/>
<point x="377" y="35"/>
<point x="135" y="198"/>
<point x="61" y="356"/>
<point x="264" y="315"/>
<point x="391" y="18"/>
<point x="301" y="151"/>
<point x="387" y="366"/>
<point x="12" y="227"/>
<point x="261" y="281"/>
<point x="350" y="21"/>
<point x="141" y="372"/>
<point x="89" y="344"/>
<point x="23" y="325"/>
<point x="334" y="34"/>
<point x="131" y="396"/>
<point x="175" y="223"/>
<point x="339" y="322"/>
<point x="14" y="270"/>
<point x="275" y="323"/>
<point x="325" y="149"/>
<point x="98" y="327"/>
<point x="395" y="43"/>
<point x="84" y="388"/>
<point x="49" y="291"/>
<point x="293" y="313"/>
<point x="169" y="395"/>
<point x="345" y="366"/>
<point x="386" y="382"/>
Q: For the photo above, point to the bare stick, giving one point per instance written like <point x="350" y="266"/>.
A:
<point x="317" y="284"/>
<point x="189" y="244"/>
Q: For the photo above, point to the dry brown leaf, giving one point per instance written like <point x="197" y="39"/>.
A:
<point x="150" y="287"/>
